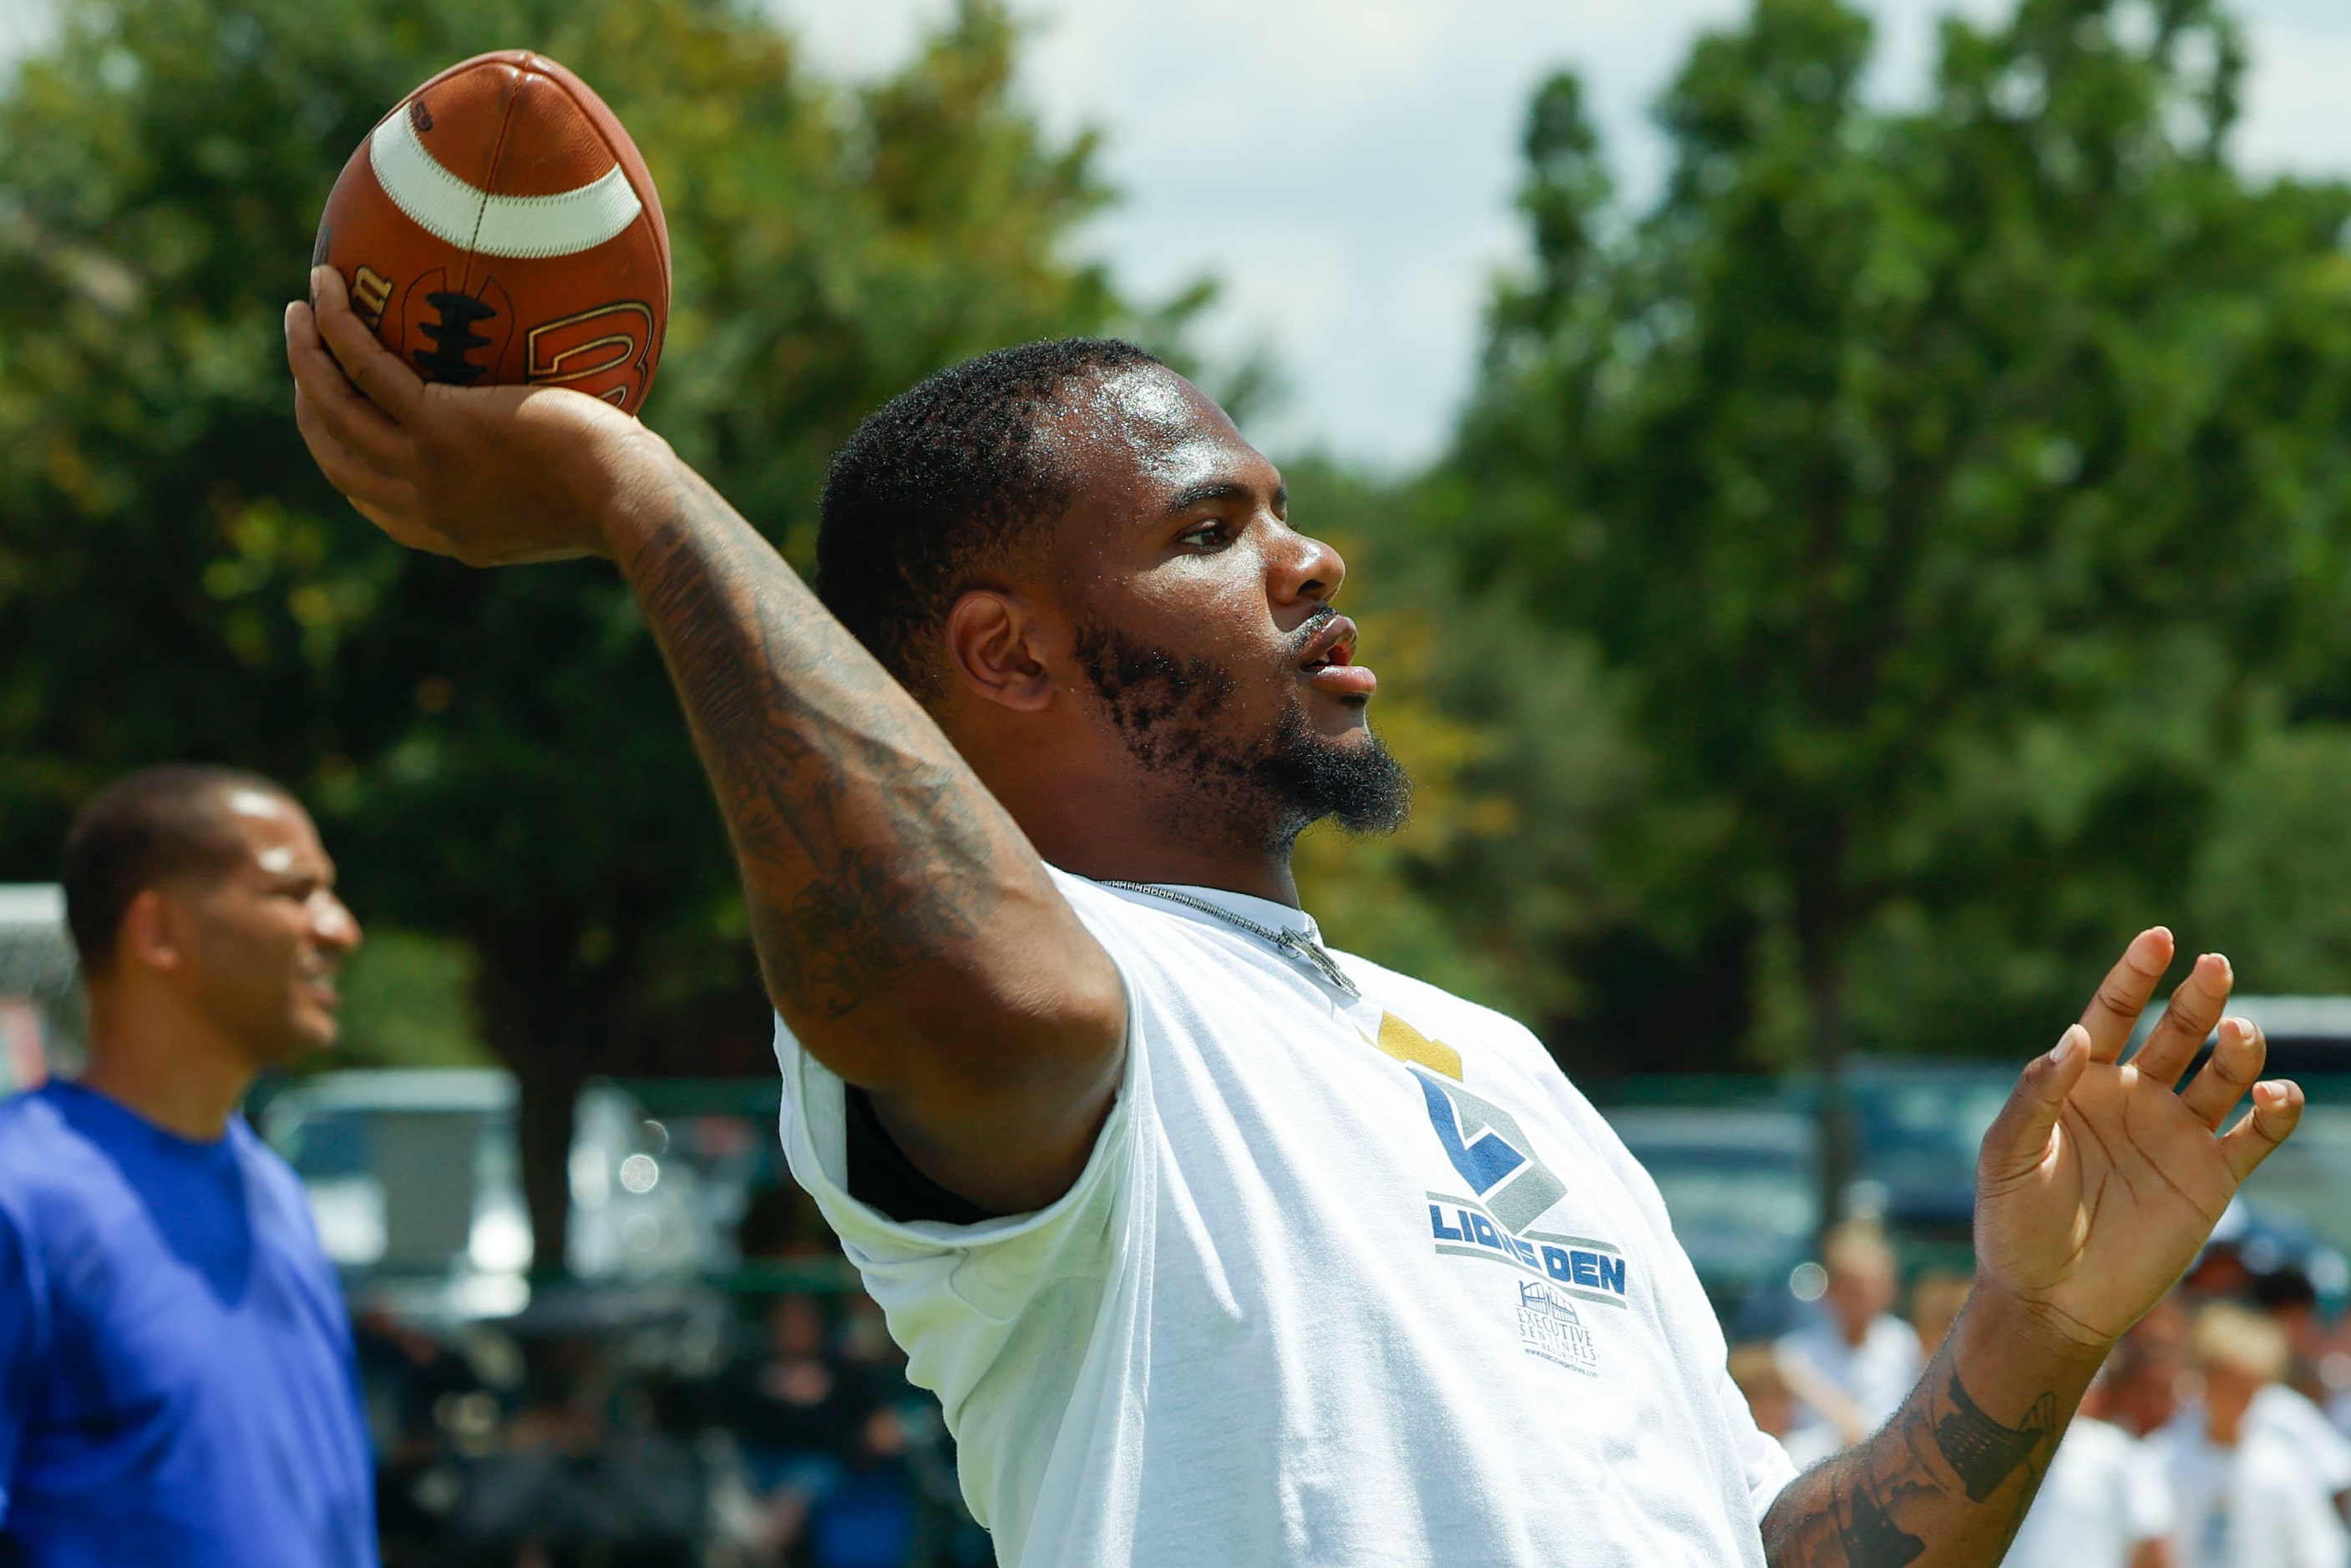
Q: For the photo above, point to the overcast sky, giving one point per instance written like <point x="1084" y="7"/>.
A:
<point x="1346" y="166"/>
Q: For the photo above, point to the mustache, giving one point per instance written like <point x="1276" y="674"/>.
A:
<point x="1323" y="615"/>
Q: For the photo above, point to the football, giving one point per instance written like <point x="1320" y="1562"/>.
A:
<point x="498" y="228"/>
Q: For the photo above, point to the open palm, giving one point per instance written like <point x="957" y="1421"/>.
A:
<point x="2098" y="1183"/>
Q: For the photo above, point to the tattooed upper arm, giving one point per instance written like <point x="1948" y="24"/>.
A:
<point x="871" y="853"/>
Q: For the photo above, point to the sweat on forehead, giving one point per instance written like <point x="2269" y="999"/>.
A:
<point x="1148" y="408"/>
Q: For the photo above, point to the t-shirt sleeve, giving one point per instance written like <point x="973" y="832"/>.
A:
<point x="987" y="1264"/>
<point x="22" y="1330"/>
<point x="1010" y="1302"/>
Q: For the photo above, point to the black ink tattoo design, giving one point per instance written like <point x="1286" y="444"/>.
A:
<point x="1982" y="1452"/>
<point x="865" y="844"/>
<point x="1885" y="1503"/>
<point x="1870" y="1537"/>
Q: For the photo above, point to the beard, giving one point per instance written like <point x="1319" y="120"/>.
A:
<point x="1260" y="791"/>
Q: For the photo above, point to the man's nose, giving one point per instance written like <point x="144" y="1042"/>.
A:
<point x="333" y="924"/>
<point x="1305" y="567"/>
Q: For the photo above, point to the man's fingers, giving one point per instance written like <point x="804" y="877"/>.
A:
<point x="372" y="369"/>
<point x="2277" y="1111"/>
<point x="2018" y="1137"/>
<point x="2195" y="1009"/>
<point x="383" y="500"/>
<point x="2236" y="1062"/>
<point x="2123" y="994"/>
<point x="357" y="424"/>
<point x="398" y="524"/>
<point x="349" y="472"/>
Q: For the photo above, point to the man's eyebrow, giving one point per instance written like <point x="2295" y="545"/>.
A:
<point x="1222" y="489"/>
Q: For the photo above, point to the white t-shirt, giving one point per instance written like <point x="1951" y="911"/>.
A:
<point x="1350" y="1283"/>
<point x="2257" y="1505"/>
<point x="2303" y="1426"/>
<point x="1877" y="1374"/>
<point x="2104" y="1495"/>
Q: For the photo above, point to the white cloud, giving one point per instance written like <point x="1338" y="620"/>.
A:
<point x="1346" y="166"/>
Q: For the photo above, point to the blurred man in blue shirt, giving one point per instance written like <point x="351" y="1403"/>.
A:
<point x="176" y="1380"/>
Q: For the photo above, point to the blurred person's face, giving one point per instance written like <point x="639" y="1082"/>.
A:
<point x="2228" y="1395"/>
<point x="795" y="1327"/>
<point x="2304" y="1331"/>
<point x="1934" y="1307"/>
<point x="2144" y="1394"/>
<point x="1860" y="1290"/>
<point x="1774" y="1408"/>
<point x="884" y="1435"/>
<point x="256" y="949"/>
<point x="2164" y="1330"/>
<point x="1192" y="624"/>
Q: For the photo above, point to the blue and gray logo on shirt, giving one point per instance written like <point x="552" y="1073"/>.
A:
<point x="1509" y="1188"/>
<point x="1485" y="1145"/>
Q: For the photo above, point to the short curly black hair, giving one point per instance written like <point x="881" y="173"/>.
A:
<point x="943" y="476"/>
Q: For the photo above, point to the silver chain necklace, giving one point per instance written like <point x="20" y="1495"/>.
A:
<point x="1296" y="944"/>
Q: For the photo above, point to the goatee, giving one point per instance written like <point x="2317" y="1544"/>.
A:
<point x="1267" y="789"/>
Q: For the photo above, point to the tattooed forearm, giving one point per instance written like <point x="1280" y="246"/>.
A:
<point x="867" y="845"/>
<point x="1944" y="1483"/>
<point x="1980" y="1451"/>
<point x="1867" y="1533"/>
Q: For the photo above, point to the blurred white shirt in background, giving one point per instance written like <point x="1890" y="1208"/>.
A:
<point x="2261" y="1504"/>
<point x="2297" y="1419"/>
<point x="2105" y="1495"/>
<point x="1876" y="1375"/>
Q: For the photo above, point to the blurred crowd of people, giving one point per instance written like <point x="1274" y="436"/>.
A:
<point x="773" y="1428"/>
<point x="778" y="1430"/>
<point x="2217" y="1435"/>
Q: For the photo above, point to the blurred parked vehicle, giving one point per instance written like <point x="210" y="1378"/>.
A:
<point x="1918" y="1128"/>
<point x="414" y="1178"/>
<point x="1735" y="1161"/>
<point x="1738" y="1181"/>
<point x="2310" y="1178"/>
<point x="37" y="975"/>
<point x="2309" y="1036"/>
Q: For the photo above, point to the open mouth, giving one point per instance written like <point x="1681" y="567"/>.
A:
<point x="1329" y="661"/>
<point x="1333" y="643"/>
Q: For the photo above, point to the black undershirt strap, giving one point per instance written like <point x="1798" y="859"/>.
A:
<point x="882" y="1178"/>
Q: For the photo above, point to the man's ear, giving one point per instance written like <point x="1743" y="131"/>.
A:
<point x="151" y="933"/>
<point x="992" y="644"/>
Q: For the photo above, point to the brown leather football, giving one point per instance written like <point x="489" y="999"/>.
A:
<point x="498" y="228"/>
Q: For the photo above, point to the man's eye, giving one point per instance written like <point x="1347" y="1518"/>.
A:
<point x="1207" y="535"/>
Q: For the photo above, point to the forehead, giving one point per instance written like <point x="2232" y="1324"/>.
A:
<point x="1138" y="437"/>
<point x="276" y="832"/>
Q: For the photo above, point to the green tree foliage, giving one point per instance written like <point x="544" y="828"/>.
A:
<point x="495" y="756"/>
<point x="2275" y="877"/>
<point x="1947" y="486"/>
<point x="1522" y="770"/>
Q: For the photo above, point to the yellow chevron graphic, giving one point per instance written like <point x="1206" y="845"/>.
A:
<point x="1406" y="1044"/>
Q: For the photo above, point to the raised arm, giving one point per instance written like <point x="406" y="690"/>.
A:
<point x="2095" y="1188"/>
<point x="907" y="931"/>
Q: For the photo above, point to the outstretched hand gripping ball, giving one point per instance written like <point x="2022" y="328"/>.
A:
<point x="498" y="228"/>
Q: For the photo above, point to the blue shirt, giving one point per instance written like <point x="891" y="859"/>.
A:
<point x="176" y="1377"/>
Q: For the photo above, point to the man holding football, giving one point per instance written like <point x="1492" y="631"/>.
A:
<point x="1217" y="1246"/>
